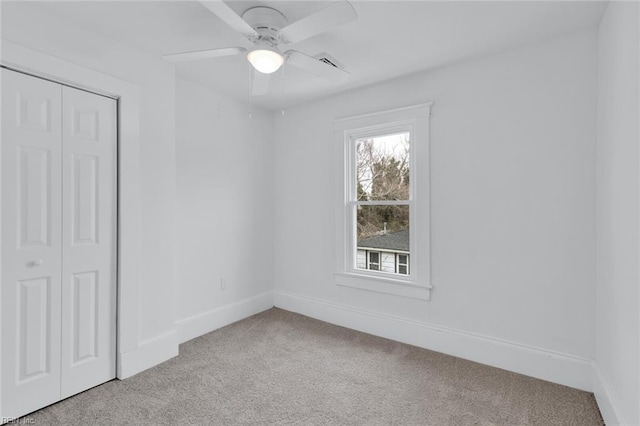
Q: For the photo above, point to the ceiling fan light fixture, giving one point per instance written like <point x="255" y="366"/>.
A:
<point x="265" y="59"/>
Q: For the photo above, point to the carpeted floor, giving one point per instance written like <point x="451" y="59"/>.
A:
<point x="282" y="368"/>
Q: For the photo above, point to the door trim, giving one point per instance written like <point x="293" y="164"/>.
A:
<point x="21" y="59"/>
<point x="44" y="76"/>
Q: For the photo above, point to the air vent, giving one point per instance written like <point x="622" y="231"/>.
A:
<point x="329" y="60"/>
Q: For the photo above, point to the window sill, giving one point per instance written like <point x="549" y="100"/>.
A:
<point x="379" y="284"/>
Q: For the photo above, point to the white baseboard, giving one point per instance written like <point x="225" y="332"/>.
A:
<point x="543" y="364"/>
<point x="149" y="353"/>
<point x="197" y="325"/>
<point x="159" y="349"/>
<point x="605" y="398"/>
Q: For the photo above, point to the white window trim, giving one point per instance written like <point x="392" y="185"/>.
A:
<point x="418" y="283"/>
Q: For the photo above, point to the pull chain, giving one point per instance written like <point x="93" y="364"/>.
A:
<point x="283" y="65"/>
<point x="250" y="100"/>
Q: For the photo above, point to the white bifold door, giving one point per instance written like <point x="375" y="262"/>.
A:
<point x="58" y="248"/>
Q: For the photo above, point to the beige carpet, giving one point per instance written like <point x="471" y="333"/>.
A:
<point x="282" y="368"/>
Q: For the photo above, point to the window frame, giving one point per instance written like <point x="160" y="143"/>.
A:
<point x="347" y="131"/>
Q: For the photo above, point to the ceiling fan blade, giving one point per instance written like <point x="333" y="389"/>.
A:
<point x="335" y="15"/>
<point x="203" y="54"/>
<point x="260" y="84"/>
<point x="314" y="66"/>
<point x="231" y="18"/>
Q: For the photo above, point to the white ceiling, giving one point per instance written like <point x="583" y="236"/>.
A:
<point x="389" y="39"/>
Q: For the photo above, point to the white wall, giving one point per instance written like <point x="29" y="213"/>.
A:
<point x="513" y="196"/>
<point x="26" y="24"/>
<point x="224" y="215"/>
<point x="617" y="318"/>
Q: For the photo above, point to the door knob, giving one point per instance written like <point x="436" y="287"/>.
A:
<point x="35" y="263"/>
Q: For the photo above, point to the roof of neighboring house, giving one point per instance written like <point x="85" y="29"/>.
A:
<point x="393" y="241"/>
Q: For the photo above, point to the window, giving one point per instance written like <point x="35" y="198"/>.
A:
<point x="382" y="212"/>
<point x="374" y="261"/>
<point x="402" y="264"/>
<point x="381" y="196"/>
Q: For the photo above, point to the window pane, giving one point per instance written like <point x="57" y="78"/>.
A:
<point x="383" y="167"/>
<point x="402" y="269"/>
<point x="377" y="221"/>
<point x="383" y="233"/>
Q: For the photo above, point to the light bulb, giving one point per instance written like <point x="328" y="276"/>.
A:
<point x="265" y="60"/>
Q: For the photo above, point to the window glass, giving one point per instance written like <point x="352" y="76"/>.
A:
<point x="386" y="229"/>
<point x="382" y="167"/>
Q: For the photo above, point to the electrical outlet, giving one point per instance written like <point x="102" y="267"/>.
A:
<point x="223" y="283"/>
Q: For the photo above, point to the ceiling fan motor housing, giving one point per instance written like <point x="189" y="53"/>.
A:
<point x="266" y="21"/>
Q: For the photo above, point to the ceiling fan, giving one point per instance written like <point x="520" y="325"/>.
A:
<point x="265" y="30"/>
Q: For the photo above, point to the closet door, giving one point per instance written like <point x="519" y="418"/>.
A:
<point x="30" y="289"/>
<point x="88" y="240"/>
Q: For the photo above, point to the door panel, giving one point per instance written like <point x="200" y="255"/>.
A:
<point x="84" y="297"/>
<point x="85" y="181"/>
<point x="34" y="110"/>
<point x="34" y="217"/>
<point x="88" y="241"/>
<point x="34" y="303"/>
<point x="31" y="273"/>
